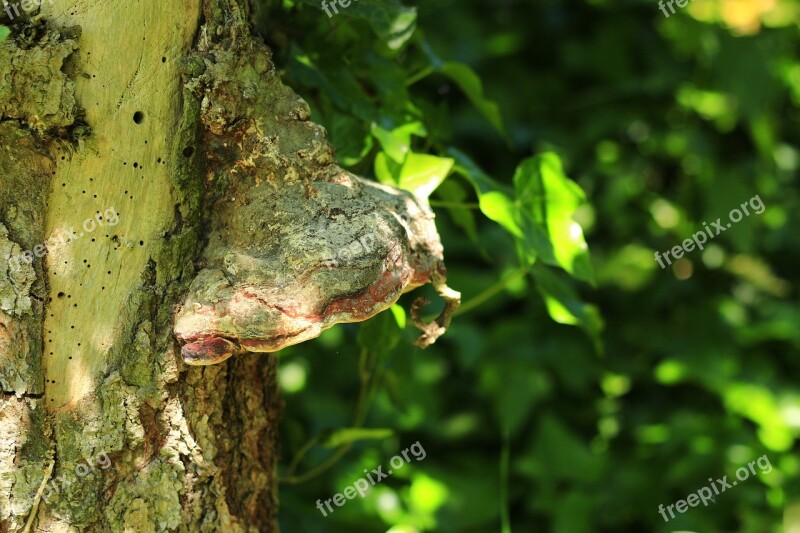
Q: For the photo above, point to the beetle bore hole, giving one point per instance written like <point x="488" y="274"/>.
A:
<point x="138" y="117"/>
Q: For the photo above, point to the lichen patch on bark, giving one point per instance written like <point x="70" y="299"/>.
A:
<point x="34" y="88"/>
<point x="25" y="173"/>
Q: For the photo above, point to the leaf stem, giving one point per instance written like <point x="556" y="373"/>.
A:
<point x="491" y="291"/>
<point x="505" y="522"/>
<point x="419" y="75"/>
<point x="368" y="384"/>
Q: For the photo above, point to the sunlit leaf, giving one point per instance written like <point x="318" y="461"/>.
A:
<point x="399" y="315"/>
<point x="419" y="173"/>
<point x="386" y="170"/>
<point x="494" y="199"/>
<point x="548" y="200"/>
<point x="422" y="173"/>
<point x="397" y="142"/>
<point x="499" y="207"/>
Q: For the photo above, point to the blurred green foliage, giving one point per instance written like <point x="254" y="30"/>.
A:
<point x="536" y="413"/>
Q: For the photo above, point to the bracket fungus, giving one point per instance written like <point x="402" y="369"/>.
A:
<point x="296" y="243"/>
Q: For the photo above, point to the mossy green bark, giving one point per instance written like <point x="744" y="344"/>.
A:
<point x="88" y="363"/>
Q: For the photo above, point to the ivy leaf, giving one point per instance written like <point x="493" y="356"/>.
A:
<point x="547" y="200"/>
<point x="348" y="135"/>
<point x="392" y="21"/>
<point x="538" y="214"/>
<point x="494" y="199"/>
<point x="386" y="169"/>
<point x="343" y="89"/>
<point x="565" y="306"/>
<point x="453" y="193"/>
<point x="499" y="207"/>
<point x="471" y="84"/>
<point x="420" y="174"/>
<point x="4" y="32"/>
<point x="397" y="142"/>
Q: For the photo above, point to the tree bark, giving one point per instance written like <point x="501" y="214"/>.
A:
<point x="103" y="426"/>
<point x="158" y="180"/>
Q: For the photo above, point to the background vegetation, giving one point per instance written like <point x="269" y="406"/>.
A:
<point x="579" y="388"/>
<point x="573" y="393"/>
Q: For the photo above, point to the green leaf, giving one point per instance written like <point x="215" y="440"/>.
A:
<point x="350" y="435"/>
<point x="4" y="32"/>
<point x="379" y="334"/>
<point x="397" y="142"/>
<point x="399" y="315"/>
<point x="471" y="84"/>
<point x="386" y="169"/>
<point x="567" y="456"/>
<point x="565" y="306"/>
<point x="343" y="88"/>
<point x="548" y="200"/>
<point x="494" y="199"/>
<point x="482" y="182"/>
<point x="454" y="193"/>
<point x="385" y="78"/>
<point x="392" y="21"/>
<point x="539" y="216"/>
<point x="420" y="174"/>
<point x="348" y="135"/>
<point x="499" y="207"/>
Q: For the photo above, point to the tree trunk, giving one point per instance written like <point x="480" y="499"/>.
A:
<point x="158" y="182"/>
<point x="103" y="180"/>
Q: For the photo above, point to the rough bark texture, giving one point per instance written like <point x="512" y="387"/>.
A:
<point x="286" y="211"/>
<point x="297" y="243"/>
<point x="103" y="427"/>
<point x="134" y="137"/>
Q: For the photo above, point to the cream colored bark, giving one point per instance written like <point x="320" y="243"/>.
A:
<point x="103" y="428"/>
